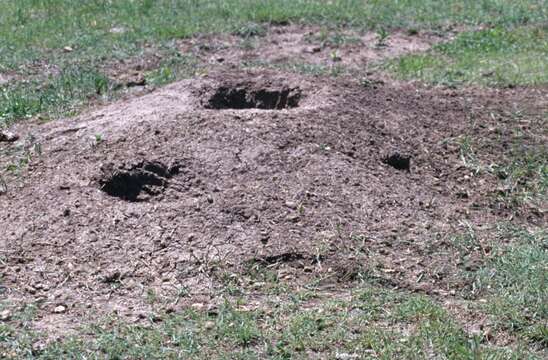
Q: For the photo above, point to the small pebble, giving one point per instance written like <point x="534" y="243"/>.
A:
<point x="5" y="315"/>
<point x="60" y="309"/>
<point x="291" y="204"/>
<point x="8" y="136"/>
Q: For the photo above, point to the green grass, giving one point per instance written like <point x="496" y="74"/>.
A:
<point x="55" y="96"/>
<point x="524" y="177"/>
<point x="521" y="169"/>
<point x="75" y="86"/>
<point x="497" y="57"/>
<point x="515" y="280"/>
<point x="374" y="323"/>
<point x="32" y="27"/>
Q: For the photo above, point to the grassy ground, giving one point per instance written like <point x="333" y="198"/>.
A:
<point x="33" y="29"/>
<point x="367" y="320"/>
<point x="496" y="56"/>
<point x="56" y="50"/>
<point x="56" y="53"/>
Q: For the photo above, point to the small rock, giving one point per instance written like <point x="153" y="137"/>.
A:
<point x="264" y="238"/>
<point x="209" y="325"/>
<point x="259" y="285"/>
<point x="170" y="310"/>
<point x="345" y="356"/>
<point x="4" y="79"/>
<point x="291" y="205"/>
<point x="293" y="218"/>
<point x="117" y="30"/>
<point x="3" y="187"/>
<point x="112" y="277"/>
<point x="142" y="315"/>
<point x="8" y="136"/>
<point x="136" y="79"/>
<point x="60" y="309"/>
<point x="40" y="286"/>
<point x="313" y="49"/>
<point x="463" y="194"/>
<point x="5" y="315"/>
<point x="68" y="49"/>
<point x="38" y="347"/>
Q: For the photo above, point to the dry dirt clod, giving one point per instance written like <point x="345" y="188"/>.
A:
<point x="117" y="30"/>
<point x="3" y="186"/>
<point x="60" y="309"/>
<point x="7" y="136"/>
<point x="5" y="315"/>
<point x="313" y="49"/>
<point x="291" y="204"/>
<point x="113" y="277"/>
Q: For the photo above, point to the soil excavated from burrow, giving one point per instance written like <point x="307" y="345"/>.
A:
<point x="345" y="178"/>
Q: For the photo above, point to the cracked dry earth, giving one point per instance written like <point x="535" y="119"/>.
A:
<point x="306" y="175"/>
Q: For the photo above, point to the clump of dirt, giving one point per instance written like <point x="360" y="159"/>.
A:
<point x="244" y="97"/>
<point x="5" y="78"/>
<point x="129" y="183"/>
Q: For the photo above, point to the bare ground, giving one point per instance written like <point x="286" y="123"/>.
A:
<point x="308" y="45"/>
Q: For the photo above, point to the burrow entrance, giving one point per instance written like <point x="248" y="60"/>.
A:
<point x="245" y="97"/>
<point x="398" y="161"/>
<point x="137" y="182"/>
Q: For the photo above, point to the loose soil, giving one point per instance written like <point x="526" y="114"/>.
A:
<point x="312" y="45"/>
<point x="237" y="169"/>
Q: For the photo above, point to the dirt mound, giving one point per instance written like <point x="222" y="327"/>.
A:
<point x="199" y="176"/>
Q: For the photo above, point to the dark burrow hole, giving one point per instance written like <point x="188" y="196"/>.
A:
<point x="398" y="161"/>
<point x="245" y="98"/>
<point x="288" y="257"/>
<point x="136" y="182"/>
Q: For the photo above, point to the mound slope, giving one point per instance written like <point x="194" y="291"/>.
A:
<point x="163" y="190"/>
